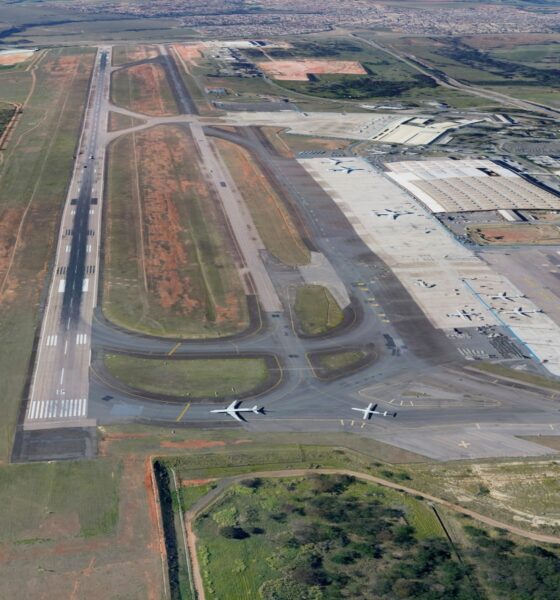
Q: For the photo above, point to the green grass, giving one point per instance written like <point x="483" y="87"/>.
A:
<point x="212" y="302"/>
<point x="192" y="493"/>
<point x="36" y="169"/>
<point x="523" y="376"/>
<point x="316" y="310"/>
<point x="67" y="493"/>
<point x="335" y="361"/>
<point x="196" y="378"/>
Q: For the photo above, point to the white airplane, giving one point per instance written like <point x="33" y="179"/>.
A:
<point x="234" y="411"/>
<point x="394" y="214"/>
<point x="521" y="311"/>
<point x="463" y="314"/>
<point x="506" y="296"/>
<point x="425" y="284"/>
<point x="347" y="170"/>
<point x="370" y="411"/>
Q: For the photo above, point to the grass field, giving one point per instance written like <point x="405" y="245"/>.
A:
<point x="68" y="499"/>
<point x="194" y="378"/>
<point x="126" y="54"/>
<point x="523" y="376"/>
<point x="79" y="530"/>
<point x="333" y="362"/>
<point x="34" y="175"/>
<point x="335" y="537"/>
<point x="316" y="310"/>
<point x="143" y="89"/>
<point x="118" y="121"/>
<point x="272" y="219"/>
<point x="170" y="267"/>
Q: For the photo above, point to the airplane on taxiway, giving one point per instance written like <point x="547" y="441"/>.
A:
<point x="234" y="411"/>
<point x="346" y="170"/>
<point x="371" y="410"/>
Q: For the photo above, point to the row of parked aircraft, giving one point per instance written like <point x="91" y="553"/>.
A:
<point x="235" y="411"/>
<point x="519" y="311"/>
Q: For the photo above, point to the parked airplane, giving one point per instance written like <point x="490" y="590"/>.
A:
<point x="371" y="410"/>
<point x="521" y="311"/>
<point x="424" y="284"/>
<point x="347" y="170"/>
<point x="506" y="296"/>
<point x="234" y="411"/>
<point x="394" y="214"/>
<point x="339" y="161"/>
<point x="463" y="314"/>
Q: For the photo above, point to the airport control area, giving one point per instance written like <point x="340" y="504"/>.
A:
<point x="301" y="266"/>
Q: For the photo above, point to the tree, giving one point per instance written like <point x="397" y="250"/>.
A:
<point x="233" y="533"/>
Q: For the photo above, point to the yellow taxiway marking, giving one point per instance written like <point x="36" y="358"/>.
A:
<point x="551" y="426"/>
<point x="174" y="349"/>
<point x="182" y="413"/>
<point x="464" y="444"/>
<point x="352" y="423"/>
<point x="478" y="425"/>
<point x="363" y="424"/>
<point x="341" y="422"/>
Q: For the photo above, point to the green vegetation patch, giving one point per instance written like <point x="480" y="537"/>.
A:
<point x="195" y="378"/>
<point x="316" y="310"/>
<point x="524" y="376"/>
<point x="64" y="499"/>
<point x="7" y="113"/>
<point x="324" y="537"/>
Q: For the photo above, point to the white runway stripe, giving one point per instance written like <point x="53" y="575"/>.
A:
<point x="81" y="339"/>
<point x="51" y="340"/>
<point x="67" y="408"/>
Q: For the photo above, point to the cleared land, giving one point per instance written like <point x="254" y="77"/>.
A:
<point x="170" y="265"/>
<point x="79" y="530"/>
<point x="272" y="219"/>
<point x="118" y="121"/>
<point x="333" y="536"/>
<point x="514" y="233"/>
<point x="189" y="53"/>
<point x="9" y="59"/>
<point x="37" y="165"/>
<point x="316" y="310"/>
<point x="196" y="378"/>
<point x="298" y="70"/>
<point x="144" y="89"/>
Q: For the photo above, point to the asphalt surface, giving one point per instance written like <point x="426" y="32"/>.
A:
<point x="444" y="411"/>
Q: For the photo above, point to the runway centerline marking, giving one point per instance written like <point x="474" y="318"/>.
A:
<point x="182" y="413"/>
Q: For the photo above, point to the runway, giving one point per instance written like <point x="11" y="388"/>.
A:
<point x="59" y="390"/>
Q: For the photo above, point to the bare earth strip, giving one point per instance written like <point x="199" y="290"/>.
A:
<point x="297" y="70"/>
<point x="143" y="89"/>
<point x="170" y="268"/>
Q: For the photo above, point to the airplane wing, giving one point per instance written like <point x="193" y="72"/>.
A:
<point x="233" y="413"/>
<point x="233" y="405"/>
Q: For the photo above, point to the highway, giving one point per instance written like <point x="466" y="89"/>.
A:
<point x="59" y="389"/>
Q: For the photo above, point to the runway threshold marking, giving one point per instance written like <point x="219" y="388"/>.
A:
<point x="174" y="349"/>
<point x="182" y="413"/>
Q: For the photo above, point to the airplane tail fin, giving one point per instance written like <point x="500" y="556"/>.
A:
<point x="256" y="410"/>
